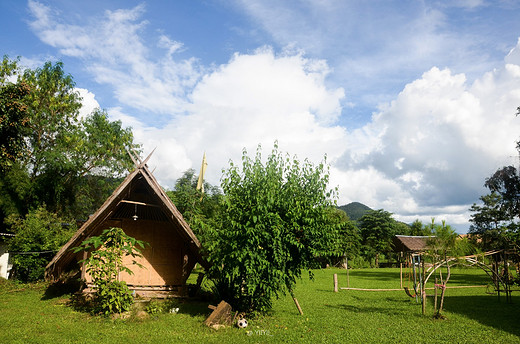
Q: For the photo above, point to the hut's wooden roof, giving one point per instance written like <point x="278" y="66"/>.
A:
<point x="410" y="243"/>
<point x="156" y="206"/>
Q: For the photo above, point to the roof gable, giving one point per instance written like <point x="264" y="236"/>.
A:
<point x="139" y="196"/>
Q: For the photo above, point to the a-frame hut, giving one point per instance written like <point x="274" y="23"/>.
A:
<point x="142" y="209"/>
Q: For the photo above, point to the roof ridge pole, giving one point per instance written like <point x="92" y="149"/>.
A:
<point x="133" y="155"/>
<point x="143" y="163"/>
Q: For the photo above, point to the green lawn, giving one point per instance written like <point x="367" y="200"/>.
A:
<point x="472" y="316"/>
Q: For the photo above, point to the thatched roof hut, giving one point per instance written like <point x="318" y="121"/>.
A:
<point x="410" y="243"/>
<point x="142" y="209"/>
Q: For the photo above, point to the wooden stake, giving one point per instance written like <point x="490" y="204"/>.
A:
<point x="423" y="302"/>
<point x="423" y="287"/>
<point x="298" y="305"/>
<point x="335" y="283"/>
<point x="435" y="293"/>
<point x="401" y="273"/>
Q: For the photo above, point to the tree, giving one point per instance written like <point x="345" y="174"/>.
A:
<point x="346" y="236"/>
<point x="38" y="236"/>
<point x="401" y="228"/>
<point x="443" y="241"/>
<point x="199" y="210"/>
<point x="273" y="225"/>
<point x="495" y="221"/>
<point x="56" y="149"/>
<point x="13" y="115"/>
<point x="490" y="222"/>
<point x="506" y="182"/>
<point x="377" y="230"/>
<point x="417" y="228"/>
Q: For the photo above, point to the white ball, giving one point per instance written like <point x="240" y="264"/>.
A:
<point x="242" y="323"/>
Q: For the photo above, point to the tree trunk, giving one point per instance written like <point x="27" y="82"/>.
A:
<point x="444" y="287"/>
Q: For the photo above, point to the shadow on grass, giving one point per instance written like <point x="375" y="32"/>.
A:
<point x="59" y="289"/>
<point x="391" y="311"/>
<point x="380" y="275"/>
<point x="487" y="310"/>
<point x="193" y="308"/>
<point x="469" y="279"/>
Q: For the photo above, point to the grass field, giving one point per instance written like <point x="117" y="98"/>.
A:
<point x="472" y="316"/>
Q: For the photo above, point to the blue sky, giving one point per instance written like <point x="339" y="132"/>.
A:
<point x="413" y="102"/>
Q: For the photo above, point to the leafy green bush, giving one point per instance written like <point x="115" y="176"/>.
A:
<point x="113" y="297"/>
<point x="155" y="307"/>
<point x="104" y="264"/>
<point x="273" y="226"/>
<point x="37" y="238"/>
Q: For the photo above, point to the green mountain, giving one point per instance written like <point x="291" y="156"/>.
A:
<point x="355" y="210"/>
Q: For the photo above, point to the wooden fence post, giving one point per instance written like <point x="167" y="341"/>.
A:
<point x="298" y="306"/>
<point x="435" y="295"/>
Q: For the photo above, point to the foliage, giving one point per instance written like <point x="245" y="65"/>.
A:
<point x="401" y="228"/>
<point x="113" y="297"/>
<point x="37" y="238"/>
<point x="345" y="235"/>
<point x="495" y="223"/>
<point x="104" y="264"/>
<point x="199" y="210"/>
<point x="53" y="148"/>
<point x="417" y="228"/>
<point x="273" y="226"/>
<point x="506" y="182"/>
<point x="377" y="230"/>
<point x="443" y="241"/>
<point x="491" y="224"/>
<point x="465" y="247"/>
<point x="154" y="307"/>
<point x="13" y="115"/>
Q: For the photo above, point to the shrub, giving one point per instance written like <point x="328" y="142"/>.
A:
<point x="113" y="297"/>
<point x="104" y="265"/>
<point x="273" y="226"/>
<point x="37" y="238"/>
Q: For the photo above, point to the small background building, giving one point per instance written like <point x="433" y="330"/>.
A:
<point x="410" y="243"/>
<point x="5" y="266"/>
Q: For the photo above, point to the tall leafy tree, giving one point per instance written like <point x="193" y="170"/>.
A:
<point x="346" y="236"/>
<point x="273" y="225"/>
<point x="490" y="222"/>
<point x="440" y="245"/>
<point x="199" y="210"/>
<point x="14" y="118"/>
<point x="59" y="149"/>
<point x="506" y="183"/>
<point x="496" y="220"/>
<point x="377" y="230"/>
<point x="417" y="228"/>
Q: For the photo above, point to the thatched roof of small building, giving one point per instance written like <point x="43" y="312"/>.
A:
<point x="157" y="206"/>
<point x="410" y="243"/>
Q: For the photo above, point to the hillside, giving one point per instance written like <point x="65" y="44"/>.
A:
<point x="355" y="210"/>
